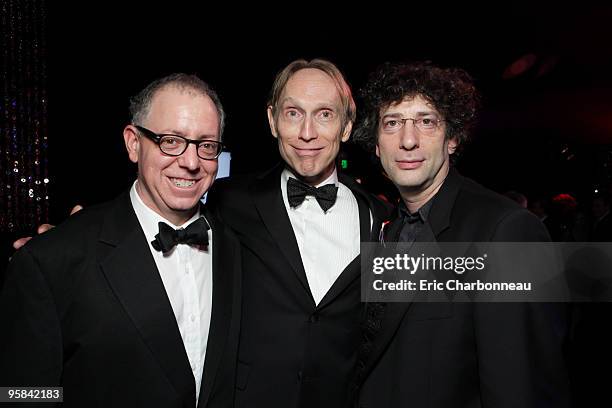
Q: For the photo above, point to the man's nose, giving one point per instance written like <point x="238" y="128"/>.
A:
<point x="308" y="130"/>
<point x="189" y="159"/>
<point x="409" y="136"/>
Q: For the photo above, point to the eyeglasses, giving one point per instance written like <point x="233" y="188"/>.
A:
<point x="424" y="125"/>
<point x="175" y="145"/>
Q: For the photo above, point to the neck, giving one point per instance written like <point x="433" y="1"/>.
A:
<point x="316" y="179"/>
<point x="179" y="218"/>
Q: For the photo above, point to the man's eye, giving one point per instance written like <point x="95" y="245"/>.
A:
<point x="210" y="146"/>
<point x="292" y="114"/>
<point x="391" y="123"/>
<point x="429" y="123"/>
<point x="326" y="114"/>
<point x="170" y="141"/>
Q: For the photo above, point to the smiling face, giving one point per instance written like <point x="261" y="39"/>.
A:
<point x="416" y="161"/>
<point x="172" y="186"/>
<point x="309" y="124"/>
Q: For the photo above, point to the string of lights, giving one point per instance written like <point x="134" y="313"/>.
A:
<point x="24" y="178"/>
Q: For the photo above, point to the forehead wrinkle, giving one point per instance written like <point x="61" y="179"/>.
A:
<point x="320" y="86"/>
<point x="300" y="104"/>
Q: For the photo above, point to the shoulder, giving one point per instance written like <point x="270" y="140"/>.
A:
<point x="62" y="256"/>
<point x="231" y="186"/>
<point x="235" y="195"/>
<point x="77" y="232"/>
<point x="230" y="197"/>
<point x="499" y="218"/>
<point x="474" y="194"/>
<point x="380" y="209"/>
<point x="241" y="185"/>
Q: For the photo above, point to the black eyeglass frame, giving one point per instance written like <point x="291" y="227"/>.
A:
<point x="157" y="138"/>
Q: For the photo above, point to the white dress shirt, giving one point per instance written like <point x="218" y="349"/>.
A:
<point x="328" y="241"/>
<point x="186" y="272"/>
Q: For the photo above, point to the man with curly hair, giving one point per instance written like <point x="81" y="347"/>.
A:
<point x="415" y="118"/>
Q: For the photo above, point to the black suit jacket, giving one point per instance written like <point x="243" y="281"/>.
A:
<point x="292" y="352"/>
<point x="84" y="307"/>
<point x="466" y="354"/>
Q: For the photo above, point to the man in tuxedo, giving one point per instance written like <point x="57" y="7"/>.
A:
<point x="300" y="225"/>
<point x="449" y="354"/>
<point x="135" y="303"/>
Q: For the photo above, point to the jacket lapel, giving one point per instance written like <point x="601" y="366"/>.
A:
<point x="133" y="276"/>
<point x="269" y="202"/>
<point x="226" y="264"/>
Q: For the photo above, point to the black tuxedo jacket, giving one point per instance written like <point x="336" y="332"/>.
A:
<point x="292" y="353"/>
<point x="84" y="307"/>
<point x="466" y="354"/>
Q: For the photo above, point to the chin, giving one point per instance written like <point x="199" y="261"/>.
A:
<point x="185" y="204"/>
<point x="309" y="173"/>
<point x="408" y="182"/>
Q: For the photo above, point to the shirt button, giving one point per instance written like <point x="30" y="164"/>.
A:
<point x="192" y="318"/>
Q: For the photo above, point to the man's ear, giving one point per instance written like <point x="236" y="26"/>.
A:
<point x="272" y="122"/>
<point x="346" y="133"/>
<point x="377" y="151"/>
<point x="132" y="143"/>
<point x="451" y="147"/>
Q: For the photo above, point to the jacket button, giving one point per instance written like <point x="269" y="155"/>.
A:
<point x="313" y="318"/>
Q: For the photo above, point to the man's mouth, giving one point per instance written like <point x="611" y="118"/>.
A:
<point x="307" y="152"/>
<point x="181" y="182"/>
<point x="409" y="164"/>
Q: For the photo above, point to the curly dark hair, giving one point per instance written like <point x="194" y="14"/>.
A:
<point x="451" y="91"/>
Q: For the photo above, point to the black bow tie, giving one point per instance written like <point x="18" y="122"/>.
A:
<point x="196" y="233"/>
<point x="297" y="192"/>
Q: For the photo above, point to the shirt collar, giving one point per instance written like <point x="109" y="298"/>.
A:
<point x="419" y="215"/>
<point x="149" y="219"/>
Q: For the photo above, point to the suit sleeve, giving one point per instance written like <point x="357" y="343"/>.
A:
<point x="30" y="339"/>
<point x="520" y="345"/>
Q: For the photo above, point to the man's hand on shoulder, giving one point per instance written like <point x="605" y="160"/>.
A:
<point x="42" y="229"/>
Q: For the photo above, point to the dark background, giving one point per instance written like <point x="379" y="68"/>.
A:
<point x="545" y="128"/>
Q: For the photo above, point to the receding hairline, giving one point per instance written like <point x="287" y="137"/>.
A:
<point x="327" y="75"/>
<point x="326" y="67"/>
<point x="183" y="89"/>
<point x="335" y="103"/>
